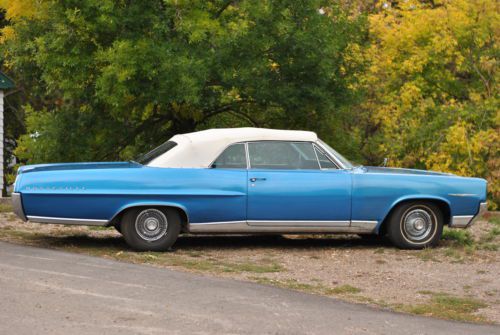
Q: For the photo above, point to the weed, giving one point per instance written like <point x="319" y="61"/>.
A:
<point x="5" y="208"/>
<point x="458" y="237"/>
<point x="345" y="289"/>
<point x="446" y="306"/>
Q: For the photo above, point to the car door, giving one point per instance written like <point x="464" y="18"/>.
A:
<point x="288" y="187"/>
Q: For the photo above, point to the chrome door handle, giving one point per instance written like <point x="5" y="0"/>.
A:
<point x="253" y="180"/>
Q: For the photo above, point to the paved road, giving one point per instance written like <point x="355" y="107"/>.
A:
<point x="51" y="292"/>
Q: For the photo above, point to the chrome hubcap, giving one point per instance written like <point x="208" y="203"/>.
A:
<point x="151" y="224"/>
<point x="417" y="224"/>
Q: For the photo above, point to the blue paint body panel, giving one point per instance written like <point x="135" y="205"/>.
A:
<point x="377" y="190"/>
<point x="100" y="191"/>
<point x="323" y="195"/>
<point x="205" y="195"/>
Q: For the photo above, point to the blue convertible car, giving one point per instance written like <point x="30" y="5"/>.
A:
<point x="247" y="181"/>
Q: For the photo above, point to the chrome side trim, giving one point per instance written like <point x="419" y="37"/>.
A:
<point x="368" y="225"/>
<point x="219" y="227"/>
<point x="69" y="221"/>
<point x="239" y="227"/>
<point x="462" y="194"/>
<point x="17" y="205"/>
<point x="465" y="221"/>
<point x="266" y="223"/>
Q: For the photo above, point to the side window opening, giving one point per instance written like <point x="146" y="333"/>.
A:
<point x="282" y="155"/>
<point x="234" y="157"/>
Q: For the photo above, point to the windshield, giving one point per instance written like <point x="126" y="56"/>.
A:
<point x="158" y="151"/>
<point x="347" y="164"/>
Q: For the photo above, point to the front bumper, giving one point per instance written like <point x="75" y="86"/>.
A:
<point x="465" y="221"/>
<point x="17" y="205"/>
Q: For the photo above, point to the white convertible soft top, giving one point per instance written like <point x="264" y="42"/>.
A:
<point x="201" y="148"/>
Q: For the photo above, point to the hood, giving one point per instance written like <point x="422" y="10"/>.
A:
<point x="376" y="169"/>
<point x="77" y="166"/>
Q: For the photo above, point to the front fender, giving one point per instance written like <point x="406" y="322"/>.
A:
<point x="412" y="197"/>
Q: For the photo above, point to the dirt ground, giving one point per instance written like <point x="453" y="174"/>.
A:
<point x="458" y="280"/>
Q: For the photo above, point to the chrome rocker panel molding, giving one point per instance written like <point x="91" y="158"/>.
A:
<point x="464" y="221"/>
<point x="289" y="227"/>
<point x="68" y="221"/>
<point x="17" y="205"/>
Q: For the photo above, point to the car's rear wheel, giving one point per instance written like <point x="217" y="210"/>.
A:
<point x="151" y="229"/>
<point x="118" y="228"/>
<point x="415" y="225"/>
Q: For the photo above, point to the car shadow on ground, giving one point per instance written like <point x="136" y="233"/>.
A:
<point x="278" y="241"/>
<point x="222" y="242"/>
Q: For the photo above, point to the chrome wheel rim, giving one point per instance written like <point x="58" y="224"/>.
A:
<point x="417" y="225"/>
<point x="151" y="224"/>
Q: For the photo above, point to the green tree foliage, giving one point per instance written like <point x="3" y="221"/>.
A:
<point x="413" y="80"/>
<point x="109" y="79"/>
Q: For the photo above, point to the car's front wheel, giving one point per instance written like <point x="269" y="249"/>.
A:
<point x="151" y="229"/>
<point x="415" y="225"/>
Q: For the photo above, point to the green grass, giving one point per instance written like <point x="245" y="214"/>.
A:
<point x="199" y="263"/>
<point x="316" y="288"/>
<point x="99" y="228"/>
<point x="345" y="289"/>
<point x="5" y="208"/>
<point x="445" y="306"/>
<point x="460" y="243"/>
<point x="113" y="247"/>
<point x="427" y="255"/>
<point x="458" y="237"/>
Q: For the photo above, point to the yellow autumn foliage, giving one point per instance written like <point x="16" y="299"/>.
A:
<point x="19" y="9"/>
<point x="433" y="87"/>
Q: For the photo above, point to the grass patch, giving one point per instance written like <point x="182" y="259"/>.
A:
<point x="292" y="284"/>
<point x="114" y="247"/>
<point x="427" y="255"/>
<point x="5" y="208"/>
<point x="461" y="242"/>
<point x="100" y="228"/>
<point x="316" y="288"/>
<point x="445" y="306"/>
<point x="345" y="289"/>
<point x="458" y="237"/>
<point x="197" y="263"/>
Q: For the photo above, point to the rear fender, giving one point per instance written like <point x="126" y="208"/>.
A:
<point x="150" y="204"/>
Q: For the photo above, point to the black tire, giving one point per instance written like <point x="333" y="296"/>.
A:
<point x="151" y="228"/>
<point x="118" y="228"/>
<point x="415" y="225"/>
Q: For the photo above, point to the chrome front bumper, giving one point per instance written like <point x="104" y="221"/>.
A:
<point x="465" y="221"/>
<point x="17" y="205"/>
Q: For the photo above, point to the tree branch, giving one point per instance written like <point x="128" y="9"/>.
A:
<point x="222" y="9"/>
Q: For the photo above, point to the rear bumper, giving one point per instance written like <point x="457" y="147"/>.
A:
<point x="17" y="205"/>
<point x="465" y="221"/>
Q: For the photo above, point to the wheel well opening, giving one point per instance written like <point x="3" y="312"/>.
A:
<point x="184" y="218"/>
<point x="443" y="207"/>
